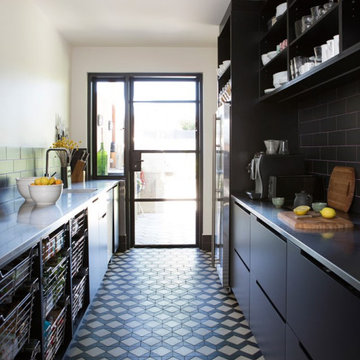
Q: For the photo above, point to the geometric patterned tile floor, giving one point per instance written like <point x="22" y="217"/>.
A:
<point x="163" y="304"/>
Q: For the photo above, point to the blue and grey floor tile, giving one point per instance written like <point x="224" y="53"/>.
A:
<point x="163" y="304"/>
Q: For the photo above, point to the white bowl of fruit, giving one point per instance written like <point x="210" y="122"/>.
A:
<point x="23" y="187"/>
<point x="46" y="191"/>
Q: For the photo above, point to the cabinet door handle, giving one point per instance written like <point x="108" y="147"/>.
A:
<point x="270" y="301"/>
<point x="103" y="216"/>
<point x="305" y="351"/>
<point x="95" y="200"/>
<point x="330" y="273"/>
<point x="242" y="208"/>
<point x="268" y="227"/>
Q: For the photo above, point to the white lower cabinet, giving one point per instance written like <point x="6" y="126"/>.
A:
<point x="98" y="242"/>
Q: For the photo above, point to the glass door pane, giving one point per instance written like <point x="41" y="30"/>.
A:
<point x="165" y="223"/>
<point x="165" y="126"/>
<point x="166" y="90"/>
<point x="110" y="134"/>
<point x="166" y="176"/>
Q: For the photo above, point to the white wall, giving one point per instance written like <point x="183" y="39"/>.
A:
<point x="132" y="59"/>
<point x="34" y="76"/>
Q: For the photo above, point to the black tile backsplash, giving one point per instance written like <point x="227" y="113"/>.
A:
<point x="336" y="138"/>
<point x="337" y="107"/>
<point x="329" y="131"/>
<point x="347" y="121"/>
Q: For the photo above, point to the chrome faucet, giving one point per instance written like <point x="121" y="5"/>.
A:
<point x="47" y="158"/>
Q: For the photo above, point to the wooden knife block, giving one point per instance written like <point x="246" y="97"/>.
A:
<point x="78" y="174"/>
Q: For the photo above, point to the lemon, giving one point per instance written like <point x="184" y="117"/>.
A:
<point x="328" y="212"/>
<point x="37" y="181"/>
<point x="301" y="210"/>
<point x="327" y="235"/>
<point x="52" y="181"/>
<point x="44" y="181"/>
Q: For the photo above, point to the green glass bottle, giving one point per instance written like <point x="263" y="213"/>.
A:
<point x="102" y="158"/>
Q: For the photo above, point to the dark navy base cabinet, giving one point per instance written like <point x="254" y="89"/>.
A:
<point x="294" y="350"/>
<point x="268" y="262"/>
<point x="241" y="232"/>
<point x="297" y="308"/>
<point x="240" y="284"/>
<point x="324" y="314"/>
<point x="266" y="324"/>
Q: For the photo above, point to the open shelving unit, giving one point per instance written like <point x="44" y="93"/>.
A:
<point x="342" y="19"/>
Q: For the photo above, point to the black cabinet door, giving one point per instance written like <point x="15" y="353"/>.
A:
<point x="268" y="263"/>
<point x="324" y="314"/>
<point x="240" y="232"/>
<point x="240" y="278"/>
<point x="266" y="324"/>
<point x="294" y="350"/>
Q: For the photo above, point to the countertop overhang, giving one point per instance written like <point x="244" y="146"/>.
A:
<point x="338" y="250"/>
<point x="24" y="225"/>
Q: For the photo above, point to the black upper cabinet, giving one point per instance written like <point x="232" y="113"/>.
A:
<point x="342" y="19"/>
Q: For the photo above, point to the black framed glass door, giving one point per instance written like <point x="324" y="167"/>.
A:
<point x="145" y="128"/>
<point x="164" y="160"/>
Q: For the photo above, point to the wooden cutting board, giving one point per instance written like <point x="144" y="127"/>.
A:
<point x="314" y="223"/>
<point x="341" y="188"/>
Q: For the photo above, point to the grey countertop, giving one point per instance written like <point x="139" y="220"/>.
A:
<point x="25" y="223"/>
<point x="338" y="250"/>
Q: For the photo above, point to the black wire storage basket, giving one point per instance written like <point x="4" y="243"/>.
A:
<point x="78" y="223"/>
<point x="15" y="322"/>
<point x="54" y="280"/>
<point x="14" y="274"/>
<point x="78" y="247"/>
<point x="55" y="330"/>
<point x="30" y="350"/>
<point x="79" y="285"/>
<point x="53" y="244"/>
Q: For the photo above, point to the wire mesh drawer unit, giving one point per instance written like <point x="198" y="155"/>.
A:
<point x="78" y="223"/>
<point x="55" y="331"/>
<point x="78" y="247"/>
<point x="79" y="285"/>
<point x="14" y="274"/>
<point x="53" y="243"/>
<point x="15" y="323"/>
<point x="30" y="350"/>
<point x="54" y="281"/>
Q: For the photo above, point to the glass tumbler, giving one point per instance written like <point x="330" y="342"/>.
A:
<point x="306" y="22"/>
<point x="315" y="12"/>
<point x="318" y="55"/>
<point x="284" y="147"/>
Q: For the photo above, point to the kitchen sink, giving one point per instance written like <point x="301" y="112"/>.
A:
<point x="79" y="191"/>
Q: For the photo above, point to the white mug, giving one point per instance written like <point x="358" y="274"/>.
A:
<point x="324" y="52"/>
<point x="336" y="45"/>
<point x="331" y="49"/>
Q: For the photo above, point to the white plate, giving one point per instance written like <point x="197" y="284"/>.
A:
<point x="267" y="91"/>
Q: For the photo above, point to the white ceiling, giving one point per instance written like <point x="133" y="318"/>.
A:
<point x="136" y="22"/>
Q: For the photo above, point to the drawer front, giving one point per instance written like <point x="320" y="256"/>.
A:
<point x="323" y="313"/>
<point x="294" y="350"/>
<point x="268" y="262"/>
<point x="266" y="324"/>
<point x="240" y="232"/>
<point x="240" y="283"/>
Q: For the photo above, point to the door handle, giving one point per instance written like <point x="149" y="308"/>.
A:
<point x="137" y="165"/>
